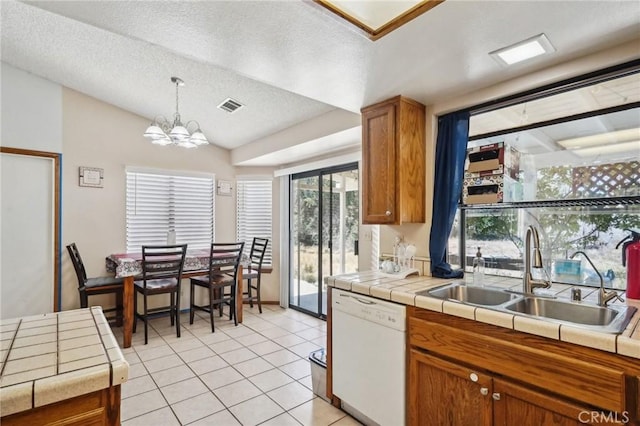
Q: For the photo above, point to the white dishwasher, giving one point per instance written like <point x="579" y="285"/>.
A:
<point x="369" y="356"/>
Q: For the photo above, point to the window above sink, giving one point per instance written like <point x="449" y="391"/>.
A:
<point x="578" y="181"/>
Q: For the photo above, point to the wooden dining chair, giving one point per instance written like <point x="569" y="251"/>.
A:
<point x="98" y="285"/>
<point x="224" y="260"/>
<point x="252" y="273"/>
<point x="161" y="274"/>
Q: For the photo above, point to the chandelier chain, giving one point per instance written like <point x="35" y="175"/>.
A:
<point x="177" y="112"/>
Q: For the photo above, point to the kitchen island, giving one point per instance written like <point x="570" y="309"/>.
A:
<point x="63" y="368"/>
<point x="501" y="365"/>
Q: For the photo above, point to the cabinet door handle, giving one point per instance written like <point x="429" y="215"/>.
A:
<point x="388" y="213"/>
<point x="484" y="391"/>
<point x="495" y="396"/>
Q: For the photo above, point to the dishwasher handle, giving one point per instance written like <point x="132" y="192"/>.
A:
<point x="385" y="313"/>
<point x="358" y="299"/>
<point x="364" y="301"/>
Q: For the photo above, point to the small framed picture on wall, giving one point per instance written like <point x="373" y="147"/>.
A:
<point x="91" y="176"/>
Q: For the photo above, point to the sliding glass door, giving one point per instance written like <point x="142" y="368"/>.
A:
<point x="324" y="233"/>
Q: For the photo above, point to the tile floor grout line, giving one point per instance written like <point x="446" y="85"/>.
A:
<point x="227" y="408"/>
<point x="158" y="388"/>
<point x="192" y="333"/>
<point x="209" y="390"/>
<point x="189" y="367"/>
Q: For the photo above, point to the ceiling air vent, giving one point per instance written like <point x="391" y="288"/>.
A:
<point x="230" y="105"/>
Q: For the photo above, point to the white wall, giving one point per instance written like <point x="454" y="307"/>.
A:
<point x="97" y="134"/>
<point x="324" y="129"/>
<point x="606" y="58"/>
<point x="31" y="111"/>
<point x="31" y="119"/>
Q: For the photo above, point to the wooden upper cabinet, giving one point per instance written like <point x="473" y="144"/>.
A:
<point x="393" y="160"/>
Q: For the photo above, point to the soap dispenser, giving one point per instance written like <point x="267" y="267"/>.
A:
<point x="478" y="269"/>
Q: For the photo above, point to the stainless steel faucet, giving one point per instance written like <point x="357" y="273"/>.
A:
<point x="528" y="282"/>
<point x="603" y="296"/>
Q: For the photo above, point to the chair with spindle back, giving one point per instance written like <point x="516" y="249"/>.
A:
<point x="224" y="261"/>
<point x="98" y="285"/>
<point x="161" y="274"/>
<point x="253" y="272"/>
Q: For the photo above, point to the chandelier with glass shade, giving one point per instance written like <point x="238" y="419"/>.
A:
<point x="163" y="132"/>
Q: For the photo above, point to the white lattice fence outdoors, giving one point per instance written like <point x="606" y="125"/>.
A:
<point x="607" y="180"/>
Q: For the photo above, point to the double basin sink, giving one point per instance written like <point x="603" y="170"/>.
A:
<point x="606" y="319"/>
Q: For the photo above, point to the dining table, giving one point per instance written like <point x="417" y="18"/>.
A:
<point x="129" y="267"/>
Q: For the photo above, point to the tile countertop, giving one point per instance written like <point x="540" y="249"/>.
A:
<point x="52" y="357"/>
<point x="381" y="286"/>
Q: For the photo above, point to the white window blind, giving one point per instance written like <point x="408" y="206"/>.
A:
<point x="158" y="203"/>
<point x="254" y="213"/>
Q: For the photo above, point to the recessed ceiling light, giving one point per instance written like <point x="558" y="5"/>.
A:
<point x="523" y="50"/>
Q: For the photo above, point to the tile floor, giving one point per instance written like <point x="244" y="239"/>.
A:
<point x="255" y="373"/>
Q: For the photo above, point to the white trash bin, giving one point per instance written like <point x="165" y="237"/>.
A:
<point x="319" y="373"/>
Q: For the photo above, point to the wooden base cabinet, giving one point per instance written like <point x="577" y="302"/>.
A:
<point x="445" y="393"/>
<point x="518" y="405"/>
<point x="463" y="372"/>
<point x="442" y="393"/>
<point x="99" y="408"/>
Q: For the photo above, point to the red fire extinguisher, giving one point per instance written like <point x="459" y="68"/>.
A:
<point x="631" y="259"/>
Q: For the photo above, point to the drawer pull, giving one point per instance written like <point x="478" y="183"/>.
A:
<point x="388" y="213"/>
<point x="473" y="377"/>
<point x="484" y="391"/>
<point x="495" y="396"/>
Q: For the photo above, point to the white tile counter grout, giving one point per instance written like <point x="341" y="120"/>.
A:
<point x="52" y="357"/>
<point x="404" y="291"/>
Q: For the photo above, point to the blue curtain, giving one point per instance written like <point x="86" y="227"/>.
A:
<point x="451" y="150"/>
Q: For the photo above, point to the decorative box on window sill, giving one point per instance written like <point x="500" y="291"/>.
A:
<point x="491" y="189"/>
<point x="494" y="158"/>
<point x="491" y="175"/>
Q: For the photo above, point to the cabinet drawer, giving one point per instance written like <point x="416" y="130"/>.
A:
<point x="553" y="366"/>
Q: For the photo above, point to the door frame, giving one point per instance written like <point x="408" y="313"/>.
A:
<point x="57" y="216"/>
<point x="355" y="165"/>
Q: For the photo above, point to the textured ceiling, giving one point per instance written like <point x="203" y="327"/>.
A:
<point x="287" y="61"/>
